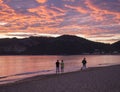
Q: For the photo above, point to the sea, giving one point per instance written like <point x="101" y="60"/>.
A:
<point x="15" y="68"/>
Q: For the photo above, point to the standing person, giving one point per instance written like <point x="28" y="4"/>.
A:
<point x="84" y="64"/>
<point x="62" y="66"/>
<point x="57" y="66"/>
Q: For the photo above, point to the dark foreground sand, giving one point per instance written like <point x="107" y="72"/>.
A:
<point x="105" y="79"/>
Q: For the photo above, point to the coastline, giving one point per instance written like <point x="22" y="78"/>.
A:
<point x="96" y="79"/>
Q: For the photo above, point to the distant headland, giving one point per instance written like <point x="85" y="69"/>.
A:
<point x="62" y="45"/>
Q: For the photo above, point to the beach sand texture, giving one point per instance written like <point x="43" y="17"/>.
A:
<point x="101" y="79"/>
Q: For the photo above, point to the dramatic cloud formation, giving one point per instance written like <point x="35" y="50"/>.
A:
<point x="98" y="20"/>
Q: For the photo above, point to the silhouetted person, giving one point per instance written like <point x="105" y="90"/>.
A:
<point x="57" y="66"/>
<point x="62" y="66"/>
<point x="84" y="64"/>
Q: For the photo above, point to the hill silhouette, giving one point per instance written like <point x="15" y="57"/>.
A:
<point x="62" y="45"/>
<point x="116" y="47"/>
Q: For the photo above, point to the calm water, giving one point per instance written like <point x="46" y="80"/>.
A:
<point x="14" y="68"/>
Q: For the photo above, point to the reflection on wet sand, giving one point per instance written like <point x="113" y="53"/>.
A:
<point x="17" y="67"/>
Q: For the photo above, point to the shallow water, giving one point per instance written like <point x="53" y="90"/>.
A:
<point x="14" y="68"/>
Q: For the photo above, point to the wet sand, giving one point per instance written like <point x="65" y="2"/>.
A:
<point x="100" y="79"/>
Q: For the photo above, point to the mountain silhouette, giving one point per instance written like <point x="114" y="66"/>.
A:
<point x="62" y="45"/>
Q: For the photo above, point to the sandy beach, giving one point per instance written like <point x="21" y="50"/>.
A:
<point x="100" y="79"/>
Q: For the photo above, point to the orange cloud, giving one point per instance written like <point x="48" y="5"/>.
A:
<point x="46" y="13"/>
<point x="5" y="12"/>
<point x="59" y="18"/>
<point x="69" y="0"/>
<point x="22" y="22"/>
<point x="79" y="9"/>
<point x="58" y="9"/>
<point x="98" y="13"/>
<point x="41" y="1"/>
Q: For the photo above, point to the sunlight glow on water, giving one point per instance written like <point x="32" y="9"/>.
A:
<point x="13" y="68"/>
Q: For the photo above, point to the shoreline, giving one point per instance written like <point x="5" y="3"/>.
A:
<point x="32" y="78"/>
<point x="53" y="54"/>
<point x="52" y="74"/>
<point x="85" y="77"/>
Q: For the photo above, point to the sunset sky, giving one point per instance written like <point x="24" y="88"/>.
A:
<point x="97" y="20"/>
